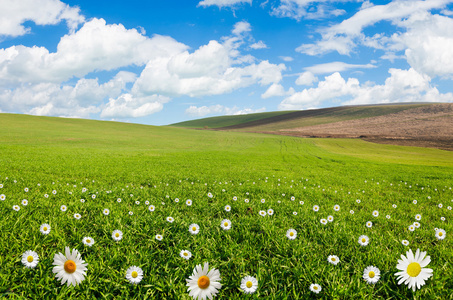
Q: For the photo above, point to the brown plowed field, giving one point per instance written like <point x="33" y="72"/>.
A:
<point x="426" y="126"/>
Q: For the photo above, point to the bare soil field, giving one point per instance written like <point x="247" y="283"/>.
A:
<point x="426" y="126"/>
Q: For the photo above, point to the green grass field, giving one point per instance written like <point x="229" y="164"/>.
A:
<point x="161" y="164"/>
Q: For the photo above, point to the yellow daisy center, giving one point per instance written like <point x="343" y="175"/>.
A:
<point x="70" y="266"/>
<point x="291" y="233"/>
<point x="30" y="258"/>
<point x="371" y="274"/>
<point x="414" y="269"/>
<point x="440" y="233"/>
<point x="333" y="259"/>
<point x="45" y="229"/>
<point x="134" y="274"/>
<point x="185" y="253"/>
<point x="249" y="284"/>
<point x="194" y="228"/>
<point x="203" y="282"/>
<point x="117" y="234"/>
<point x="88" y="241"/>
<point x="315" y="287"/>
<point x="225" y="224"/>
<point x="363" y="240"/>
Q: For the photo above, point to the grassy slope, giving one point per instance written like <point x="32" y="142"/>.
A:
<point x="223" y="121"/>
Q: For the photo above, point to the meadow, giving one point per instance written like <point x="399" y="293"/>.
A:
<point x="52" y="162"/>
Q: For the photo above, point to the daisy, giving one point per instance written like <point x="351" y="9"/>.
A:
<point x="388" y="217"/>
<point x="405" y="242"/>
<point x="63" y="208"/>
<point x="315" y="208"/>
<point x="147" y="202"/>
<point x="185" y="254"/>
<point x="227" y="208"/>
<point x="270" y="211"/>
<point x="371" y="274"/>
<point x="25" y="202"/>
<point x="293" y="198"/>
<point x="137" y="202"/>
<point x="418" y="217"/>
<point x="77" y="216"/>
<point x="194" y="228"/>
<point x="70" y="268"/>
<point x="188" y="202"/>
<point x="449" y="207"/>
<point x="118" y="200"/>
<point x="364" y="240"/>
<point x="30" y="259"/>
<point x="203" y="284"/>
<point x="440" y="205"/>
<point x="159" y="237"/>
<point x="151" y="208"/>
<point x="323" y="221"/>
<point x="330" y="218"/>
<point x="442" y="219"/>
<point x="134" y="274"/>
<point x="394" y="205"/>
<point x="45" y="228"/>
<point x="351" y="212"/>
<point x="16" y="207"/>
<point x="210" y="195"/>
<point x="88" y="241"/>
<point x="440" y="234"/>
<point x="225" y="224"/>
<point x="416" y="224"/>
<point x="170" y="219"/>
<point x="369" y="224"/>
<point x="93" y="196"/>
<point x="26" y="189"/>
<point x="82" y="200"/>
<point x="336" y="207"/>
<point x="235" y="198"/>
<point x="375" y="213"/>
<point x="131" y="213"/>
<point x="315" y="288"/>
<point x="2" y="197"/>
<point x="412" y="269"/>
<point x="301" y="202"/>
<point x="333" y="259"/>
<point x="46" y="195"/>
<point x="411" y="227"/>
<point x="246" y="200"/>
<point x="106" y="211"/>
<point x="117" y="235"/>
<point x="249" y="284"/>
<point x="295" y="213"/>
<point x="415" y="201"/>
<point x="291" y="234"/>
<point x="358" y="200"/>
<point x="263" y="200"/>
<point x="84" y="190"/>
<point x="54" y="192"/>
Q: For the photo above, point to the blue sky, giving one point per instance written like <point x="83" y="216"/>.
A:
<point x="161" y="62"/>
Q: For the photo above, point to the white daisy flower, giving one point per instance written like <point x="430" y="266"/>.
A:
<point x="106" y="211"/>
<point x="170" y="219"/>
<point x="405" y="242"/>
<point x="358" y="200"/>
<point x="70" y="268"/>
<point x="77" y="216"/>
<point x="442" y="219"/>
<point x="2" y="197"/>
<point x="159" y="237"/>
<point x="440" y="234"/>
<point x="291" y="234"/>
<point x="336" y="207"/>
<point x="270" y="211"/>
<point x="185" y="254"/>
<point x="315" y="208"/>
<point x="88" y="241"/>
<point x="369" y="224"/>
<point x="203" y="283"/>
<point x="117" y="235"/>
<point x="30" y="259"/>
<point x="82" y="200"/>
<point x="151" y="208"/>
<point x="93" y="196"/>
<point x="134" y="274"/>
<point x="295" y="213"/>
<point x="16" y="207"/>
<point x="194" y="228"/>
<point x="394" y="206"/>
<point x="118" y="200"/>
<point x="351" y="212"/>
<point x="333" y="259"/>
<point x="388" y="217"/>
<point x="210" y="195"/>
<point x="227" y="208"/>
<point x="246" y="200"/>
<point x="249" y="284"/>
<point x="301" y="202"/>
<point x="26" y="189"/>
<point x="54" y="192"/>
<point x="411" y="227"/>
<point x="131" y="213"/>
<point x="315" y="288"/>
<point x="84" y="190"/>
<point x="330" y="218"/>
<point x="440" y="205"/>
<point x="46" y="195"/>
<point x="418" y="217"/>
<point x="416" y="224"/>
<point x="24" y="202"/>
<point x="235" y="198"/>
<point x="293" y="198"/>
<point x="263" y="200"/>
<point x="449" y="207"/>
<point x="415" y="201"/>
<point x="412" y="269"/>
<point x="137" y="202"/>
<point x="375" y="213"/>
<point x="371" y="274"/>
<point x="323" y="221"/>
<point x="45" y="228"/>
<point x="364" y="240"/>
<point x="188" y="202"/>
<point x="63" y="208"/>
<point x="225" y="224"/>
<point x="176" y="200"/>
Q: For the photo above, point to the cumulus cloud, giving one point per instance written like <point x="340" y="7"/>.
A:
<point x="127" y="105"/>
<point x="276" y="90"/>
<point x="307" y="9"/>
<point x="223" y="3"/>
<point x="306" y="78"/>
<point x="94" y="47"/>
<point x="13" y="14"/>
<point x="218" y="109"/>
<point x="258" y="45"/>
<point x="336" y="66"/>
<point x="401" y="86"/>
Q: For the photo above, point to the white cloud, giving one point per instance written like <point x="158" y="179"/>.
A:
<point x="127" y="105"/>
<point x="258" y="45"/>
<point x="307" y="9"/>
<point x="306" y="78"/>
<point x="223" y="3"/>
<point x="14" y="13"/>
<point x="220" y="110"/>
<point x="241" y="27"/>
<point x="401" y="86"/>
<point x="286" y="58"/>
<point x="344" y="36"/>
<point x="336" y="66"/>
<point x="276" y="90"/>
<point x="96" y="46"/>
